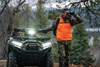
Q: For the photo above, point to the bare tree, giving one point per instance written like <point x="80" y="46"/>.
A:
<point x="7" y="15"/>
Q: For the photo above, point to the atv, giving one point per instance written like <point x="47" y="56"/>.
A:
<point x="26" y="47"/>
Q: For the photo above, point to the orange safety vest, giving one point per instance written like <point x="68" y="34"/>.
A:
<point x="64" y="30"/>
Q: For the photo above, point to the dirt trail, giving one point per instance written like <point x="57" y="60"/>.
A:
<point x="3" y="64"/>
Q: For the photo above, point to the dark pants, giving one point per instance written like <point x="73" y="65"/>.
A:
<point x="63" y="50"/>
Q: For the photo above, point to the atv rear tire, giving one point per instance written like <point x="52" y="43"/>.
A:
<point x="11" y="60"/>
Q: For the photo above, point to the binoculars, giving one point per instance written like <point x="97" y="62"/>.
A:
<point x="71" y="13"/>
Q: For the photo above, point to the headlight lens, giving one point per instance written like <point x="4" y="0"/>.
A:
<point x="31" y="32"/>
<point x="46" y="45"/>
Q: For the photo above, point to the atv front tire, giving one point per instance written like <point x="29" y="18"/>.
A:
<point x="11" y="60"/>
<point x="48" y="61"/>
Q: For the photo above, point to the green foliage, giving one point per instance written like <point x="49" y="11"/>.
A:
<point x="80" y="50"/>
<point x="40" y="16"/>
<point x="53" y="14"/>
<point x="55" y="52"/>
<point x="24" y="18"/>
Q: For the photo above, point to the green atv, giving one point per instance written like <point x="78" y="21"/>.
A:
<point x="28" y="48"/>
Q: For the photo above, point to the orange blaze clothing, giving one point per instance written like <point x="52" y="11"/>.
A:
<point x="64" y="30"/>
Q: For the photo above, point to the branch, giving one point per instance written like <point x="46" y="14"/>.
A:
<point x="16" y="9"/>
<point x="92" y="11"/>
<point x="82" y="1"/>
<point x="20" y="2"/>
<point x="6" y="3"/>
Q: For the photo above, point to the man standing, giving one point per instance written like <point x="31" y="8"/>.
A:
<point x="62" y="29"/>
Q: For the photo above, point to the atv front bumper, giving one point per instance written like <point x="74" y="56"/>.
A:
<point x="30" y="57"/>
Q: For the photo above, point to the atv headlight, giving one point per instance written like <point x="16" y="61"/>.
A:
<point x="46" y="45"/>
<point x="17" y="44"/>
<point x="31" y="32"/>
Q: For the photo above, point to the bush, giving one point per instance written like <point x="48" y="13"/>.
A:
<point x="80" y="50"/>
